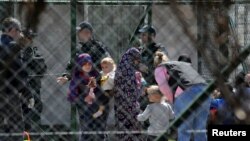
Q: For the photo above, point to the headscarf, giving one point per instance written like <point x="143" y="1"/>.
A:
<point x="80" y="78"/>
<point x="125" y="76"/>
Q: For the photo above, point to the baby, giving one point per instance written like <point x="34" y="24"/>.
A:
<point x="107" y="83"/>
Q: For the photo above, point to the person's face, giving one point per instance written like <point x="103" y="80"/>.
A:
<point x="145" y="37"/>
<point x="87" y="67"/>
<point x="107" y="67"/>
<point x="15" y="33"/>
<point x="84" y="35"/>
<point x="136" y="62"/>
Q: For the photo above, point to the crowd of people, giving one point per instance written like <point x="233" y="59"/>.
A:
<point x="137" y="93"/>
<point x="144" y="91"/>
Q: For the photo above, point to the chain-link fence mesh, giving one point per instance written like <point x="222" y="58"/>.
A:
<point x="213" y="34"/>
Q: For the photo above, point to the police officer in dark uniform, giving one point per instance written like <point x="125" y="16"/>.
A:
<point x="13" y="79"/>
<point x="87" y="44"/>
<point x="35" y="67"/>
<point x="149" y="48"/>
<point x="97" y="51"/>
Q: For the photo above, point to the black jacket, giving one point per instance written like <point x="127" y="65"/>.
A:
<point x="13" y="76"/>
<point x="147" y="57"/>
<point x="95" y="49"/>
<point x="182" y="74"/>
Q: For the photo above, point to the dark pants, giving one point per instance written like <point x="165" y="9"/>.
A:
<point x="88" y="123"/>
<point x="11" y="120"/>
<point x="32" y="117"/>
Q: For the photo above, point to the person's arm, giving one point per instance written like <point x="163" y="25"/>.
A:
<point x="178" y="91"/>
<point x="71" y="63"/>
<point x="66" y="76"/>
<point x="171" y="112"/>
<point x="69" y="69"/>
<point x="162" y="77"/>
<point x="145" y="115"/>
<point x="13" y="62"/>
<point x="104" y="50"/>
<point x="9" y="53"/>
<point x="27" y="96"/>
<point x="101" y="98"/>
<point x="111" y="79"/>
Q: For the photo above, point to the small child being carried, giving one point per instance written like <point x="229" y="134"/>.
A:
<point x="107" y="83"/>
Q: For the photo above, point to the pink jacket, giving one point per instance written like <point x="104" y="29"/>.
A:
<point x="162" y="77"/>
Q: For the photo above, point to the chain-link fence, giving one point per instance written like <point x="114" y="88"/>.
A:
<point x="43" y="91"/>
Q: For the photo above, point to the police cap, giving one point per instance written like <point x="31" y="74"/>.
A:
<point x="148" y="29"/>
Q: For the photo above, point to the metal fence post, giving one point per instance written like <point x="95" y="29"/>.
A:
<point x="73" y="4"/>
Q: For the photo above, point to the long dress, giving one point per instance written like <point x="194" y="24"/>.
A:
<point x="126" y="97"/>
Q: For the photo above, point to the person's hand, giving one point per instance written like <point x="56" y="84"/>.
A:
<point x="97" y="114"/>
<point x="23" y="41"/>
<point x="90" y="97"/>
<point x="62" y="80"/>
<point x="31" y="103"/>
<point x="92" y="82"/>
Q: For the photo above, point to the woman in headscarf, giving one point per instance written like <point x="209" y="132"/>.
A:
<point x="84" y="92"/>
<point x="127" y="92"/>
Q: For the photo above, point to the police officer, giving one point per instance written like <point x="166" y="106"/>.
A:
<point x="148" y="34"/>
<point x="97" y="51"/>
<point x="35" y="67"/>
<point x="148" y="50"/>
<point x="87" y="44"/>
<point x="13" y="78"/>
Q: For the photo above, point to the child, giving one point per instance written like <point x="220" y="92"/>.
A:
<point x="84" y="93"/>
<point x="107" y="83"/>
<point x="220" y="110"/>
<point x="159" y="113"/>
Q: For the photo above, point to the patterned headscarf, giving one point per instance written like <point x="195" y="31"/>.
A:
<point x="125" y="79"/>
<point x="79" y="77"/>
